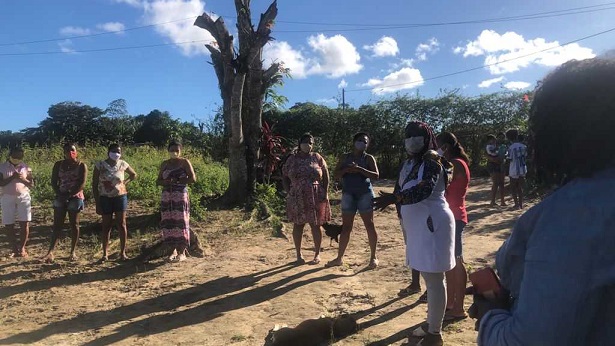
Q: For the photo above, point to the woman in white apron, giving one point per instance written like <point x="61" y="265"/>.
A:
<point x="427" y="221"/>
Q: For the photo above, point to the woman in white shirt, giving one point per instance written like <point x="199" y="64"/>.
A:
<point x="427" y="221"/>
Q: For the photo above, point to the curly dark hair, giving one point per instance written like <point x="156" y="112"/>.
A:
<point x="572" y="115"/>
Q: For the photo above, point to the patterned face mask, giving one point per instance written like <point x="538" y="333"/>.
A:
<point x="414" y="145"/>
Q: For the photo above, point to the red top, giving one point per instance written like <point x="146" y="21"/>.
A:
<point x="456" y="192"/>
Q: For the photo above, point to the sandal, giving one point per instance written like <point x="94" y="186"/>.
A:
<point x="408" y="291"/>
<point x="452" y="318"/>
<point x="373" y="264"/>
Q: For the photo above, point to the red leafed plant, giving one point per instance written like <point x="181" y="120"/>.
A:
<point x="271" y="152"/>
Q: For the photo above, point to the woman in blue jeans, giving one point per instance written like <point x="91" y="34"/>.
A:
<point x="356" y="169"/>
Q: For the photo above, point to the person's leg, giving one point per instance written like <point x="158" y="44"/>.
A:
<point x="349" y="210"/>
<point x="514" y="191"/>
<point x="59" y="215"/>
<point x="436" y="301"/>
<point x="120" y="223"/>
<point x="495" y="183"/>
<point x="105" y="232"/>
<point x="24" y="235"/>
<point x="10" y="234"/>
<point x="297" y="238"/>
<point x="520" y="184"/>
<point x="457" y="278"/>
<point x="372" y="236"/>
<point x="73" y="219"/>
<point x="317" y="235"/>
<point x="502" y="188"/>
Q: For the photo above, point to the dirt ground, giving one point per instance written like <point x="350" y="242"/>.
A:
<point x="235" y="294"/>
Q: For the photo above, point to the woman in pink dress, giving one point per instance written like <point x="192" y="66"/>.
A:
<point x="306" y="181"/>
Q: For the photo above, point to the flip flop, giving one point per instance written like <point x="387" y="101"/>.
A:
<point x="453" y="318"/>
<point x="334" y="263"/>
<point x="373" y="264"/>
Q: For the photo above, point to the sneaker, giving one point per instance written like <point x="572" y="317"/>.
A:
<point x="431" y="340"/>
<point x="421" y="331"/>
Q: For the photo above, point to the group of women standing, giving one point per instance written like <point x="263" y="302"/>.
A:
<point x="430" y="195"/>
<point x="109" y="188"/>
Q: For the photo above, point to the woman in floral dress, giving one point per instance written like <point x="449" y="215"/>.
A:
<point x="306" y="181"/>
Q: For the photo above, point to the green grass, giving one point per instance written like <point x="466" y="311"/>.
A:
<point x="211" y="177"/>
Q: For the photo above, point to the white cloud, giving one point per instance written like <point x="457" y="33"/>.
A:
<point x="342" y="84"/>
<point x="406" y="78"/>
<point x="282" y="52"/>
<point x="112" y="27"/>
<point x="169" y="11"/>
<point x="74" y="31"/>
<point x="429" y="47"/>
<point x="500" y="48"/>
<point x="66" y="46"/>
<point x="517" y="85"/>
<point x="326" y="101"/>
<point x="489" y="82"/>
<point x="335" y="56"/>
<point x="385" y="46"/>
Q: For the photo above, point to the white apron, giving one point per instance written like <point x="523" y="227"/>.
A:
<point x="427" y="251"/>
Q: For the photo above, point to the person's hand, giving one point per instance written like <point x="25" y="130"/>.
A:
<point x="353" y="168"/>
<point x="385" y="199"/>
<point x="482" y="304"/>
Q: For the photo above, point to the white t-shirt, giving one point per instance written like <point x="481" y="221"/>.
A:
<point x="517" y="153"/>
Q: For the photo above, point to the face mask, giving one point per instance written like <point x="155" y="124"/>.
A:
<point x="360" y="145"/>
<point x="414" y="145"/>
<point x="440" y="152"/>
<point x="15" y="161"/>
<point x="73" y="155"/>
<point x="174" y="154"/>
<point x="114" y="156"/>
<point x="305" y="147"/>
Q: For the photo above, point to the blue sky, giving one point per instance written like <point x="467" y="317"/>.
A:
<point x="365" y="46"/>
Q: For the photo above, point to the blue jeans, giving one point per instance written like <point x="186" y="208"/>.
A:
<point x="110" y="205"/>
<point x="353" y="202"/>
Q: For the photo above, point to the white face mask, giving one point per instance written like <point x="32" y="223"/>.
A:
<point x="114" y="156"/>
<point x="440" y="152"/>
<point x="360" y="145"/>
<point x="414" y="145"/>
<point x="305" y="147"/>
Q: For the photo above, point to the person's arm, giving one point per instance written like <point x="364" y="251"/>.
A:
<point x="55" y="172"/>
<point x="285" y="179"/>
<point x="459" y="173"/>
<point x="83" y="173"/>
<point x="340" y="170"/>
<point x="191" y="178"/>
<point x="132" y="175"/>
<point x="95" y="180"/>
<point x="372" y="169"/>
<point x="325" y="175"/>
<point x="160" y="181"/>
<point x="556" y="301"/>
<point x="419" y="192"/>
<point x="28" y="181"/>
<point x="4" y="182"/>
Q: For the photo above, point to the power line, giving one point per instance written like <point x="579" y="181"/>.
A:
<point x="421" y="25"/>
<point x="105" y="49"/>
<point x="359" y="26"/>
<point x="473" y="21"/>
<point x="486" y="65"/>
<point x="95" y="34"/>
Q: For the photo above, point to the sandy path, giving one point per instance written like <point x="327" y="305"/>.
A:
<point x="236" y="294"/>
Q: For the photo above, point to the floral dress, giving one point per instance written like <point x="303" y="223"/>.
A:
<point x="175" y="209"/>
<point x="307" y="200"/>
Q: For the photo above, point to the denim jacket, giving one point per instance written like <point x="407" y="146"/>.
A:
<point x="559" y="265"/>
